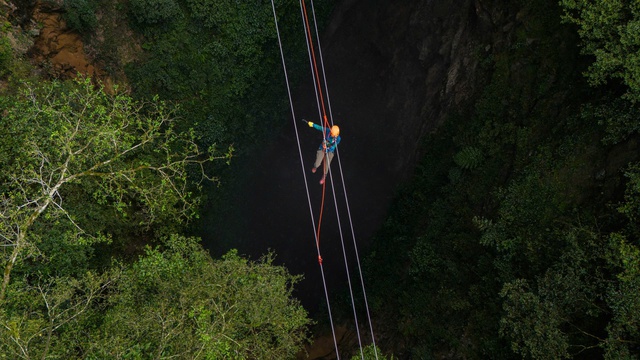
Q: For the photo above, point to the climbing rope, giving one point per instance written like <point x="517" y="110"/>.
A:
<point x="342" y="243"/>
<point x="353" y="236"/>
<point x="320" y="104"/>
<point x="314" y="68"/>
<point x="325" y="121"/>
<point x="344" y="187"/>
<point x="306" y="185"/>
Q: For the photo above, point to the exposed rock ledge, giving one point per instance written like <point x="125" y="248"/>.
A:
<point x="60" y="50"/>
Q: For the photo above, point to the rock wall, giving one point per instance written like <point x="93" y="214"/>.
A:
<point x="56" y="51"/>
<point x="422" y="58"/>
<point x="395" y="70"/>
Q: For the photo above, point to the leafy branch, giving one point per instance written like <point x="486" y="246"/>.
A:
<point x="67" y="133"/>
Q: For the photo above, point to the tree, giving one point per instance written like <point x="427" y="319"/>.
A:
<point x="622" y="296"/>
<point x="154" y="11"/>
<point x="45" y="316"/>
<point x="610" y="30"/>
<point x="624" y="327"/>
<point x="80" y="15"/>
<point x="371" y="352"/>
<point x="174" y="301"/>
<point x="59" y="135"/>
<point x="533" y="324"/>
<point x="557" y="315"/>
<point x="219" y="59"/>
<point x="177" y="301"/>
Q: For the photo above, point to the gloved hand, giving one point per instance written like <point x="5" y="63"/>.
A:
<point x="310" y="124"/>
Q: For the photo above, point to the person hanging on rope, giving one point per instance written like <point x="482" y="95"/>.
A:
<point x="327" y="147"/>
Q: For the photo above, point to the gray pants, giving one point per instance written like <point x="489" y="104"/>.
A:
<point x="320" y="155"/>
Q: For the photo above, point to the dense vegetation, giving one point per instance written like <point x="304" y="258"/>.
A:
<point x="98" y="186"/>
<point x="518" y="237"/>
<point x="85" y="174"/>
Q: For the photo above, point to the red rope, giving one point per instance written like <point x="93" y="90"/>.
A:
<point x="315" y="66"/>
<point x="324" y="168"/>
<point x="325" y="122"/>
<point x="275" y="19"/>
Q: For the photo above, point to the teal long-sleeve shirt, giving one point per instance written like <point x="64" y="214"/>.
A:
<point x="329" y="141"/>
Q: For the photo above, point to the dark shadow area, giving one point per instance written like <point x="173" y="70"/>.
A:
<point x="270" y="205"/>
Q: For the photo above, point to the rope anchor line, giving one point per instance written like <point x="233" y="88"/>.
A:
<point x="322" y="110"/>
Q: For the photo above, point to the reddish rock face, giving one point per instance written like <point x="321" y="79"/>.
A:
<point x="60" y="48"/>
<point x="60" y="51"/>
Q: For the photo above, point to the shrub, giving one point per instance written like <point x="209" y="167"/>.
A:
<point x="6" y="55"/>
<point x="469" y="158"/>
<point x="152" y="12"/>
<point x="80" y="15"/>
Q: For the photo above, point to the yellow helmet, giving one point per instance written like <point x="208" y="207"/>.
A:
<point x="335" y="131"/>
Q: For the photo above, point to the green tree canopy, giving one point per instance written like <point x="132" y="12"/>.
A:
<point x="610" y="30"/>
<point x="58" y="136"/>
<point x="178" y="301"/>
<point x="174" y="301"/>
<point x="71" y="148"/>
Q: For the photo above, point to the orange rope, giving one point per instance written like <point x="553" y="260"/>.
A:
<point x="324" y="168"/>
<point x="325" y="121"/>
<point x="315" y="66"/>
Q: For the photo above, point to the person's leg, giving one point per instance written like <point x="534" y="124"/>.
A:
<point x="329" y="158"/>
<point x="319" y="157"/>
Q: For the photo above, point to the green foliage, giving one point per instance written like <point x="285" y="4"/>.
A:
<point x="177" y="301"/>
<point x="219" y="58"/>
<point x="49" y="316"/>
<point x="6" y="54"/>
<point x="620" y="118"/>
<point x="624" y="328"/>
<point x="559" y="316"/>
<point x="506" y="257"/>
<point x="610" y="31"/>
<point x="14" y="68"/>
<point x="631" y="206"/>
<point x="624" y="256"/>
<point x="469" y="158"/>
<point x="154" y="12"/>
<point x="371" y="352"/>
<point x="82" y="166"/>
<point x="80" y="15"/>
<point x="529" y="208"/>
<point x="62" y="135"/>
<point x="534" y="324"/>
<point x="174" y="301"/>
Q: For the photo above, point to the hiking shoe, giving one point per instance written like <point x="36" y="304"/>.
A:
<point x="322" y="180"/>
<point x="313" y="170"/>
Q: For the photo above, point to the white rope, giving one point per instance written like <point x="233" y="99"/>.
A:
<point x="333" y="190"/>
<point x="313" y="71"/>
<point x="306" y="185"/>
<point x="355" y="246"/>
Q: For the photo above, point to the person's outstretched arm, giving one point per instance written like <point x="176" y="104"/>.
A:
<point x="317" y="127"/>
